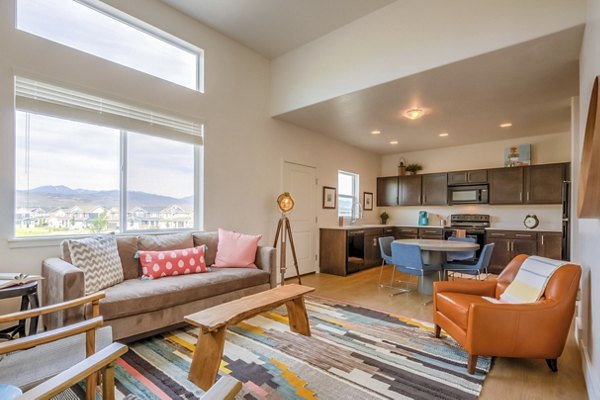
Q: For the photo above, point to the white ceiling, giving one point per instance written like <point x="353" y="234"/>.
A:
<point x="274" y="27"/>
<point x="529" y="84"/>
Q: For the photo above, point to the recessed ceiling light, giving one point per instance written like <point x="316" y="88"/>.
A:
<point x="375" y="132"/>
<point x="443" y="134"/>
<point x="506" y="125"/>
<point x="414" y="113"/>
<point x="394" y="142"/>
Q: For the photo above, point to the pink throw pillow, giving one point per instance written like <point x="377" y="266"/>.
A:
<point x="236" y="249"/>
<point x="157" y="264"/>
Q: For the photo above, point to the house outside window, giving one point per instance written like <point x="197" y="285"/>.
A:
<point x="347" y="193"/>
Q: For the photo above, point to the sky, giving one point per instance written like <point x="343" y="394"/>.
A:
<point x="76" y="25"/>
<point x="84" y="156"/>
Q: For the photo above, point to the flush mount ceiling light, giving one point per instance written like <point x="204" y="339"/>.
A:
<point x="375" y="132"/>
<point x="443" y="134"/>
<point x="394" y="142"/>
<point x="506" y="125"/>
<point x="414" y="113"/>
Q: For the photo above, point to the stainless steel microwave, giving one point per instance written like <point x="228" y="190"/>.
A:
<point x="475" y="194"/>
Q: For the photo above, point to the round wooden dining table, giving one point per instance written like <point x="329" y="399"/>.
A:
<point x="434" y="252"/>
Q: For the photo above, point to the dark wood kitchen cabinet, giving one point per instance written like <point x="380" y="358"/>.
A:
<point x="435" y="189"/>
<point x="431" y="233"/>
<point x="372" y="253"/>
<point x="506" y="185"/>
<point x="387" y="191"/>
<point x="549" y="244"/>
<point x="406" y="233"/>
<point x="543" y="184"/>
<point x="474" y="177"/>
<point x="509" y="244"/>
<point x="344" y="251"/>
<point x="409" y="190"/>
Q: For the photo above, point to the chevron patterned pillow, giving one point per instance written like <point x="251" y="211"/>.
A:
<point x="99" y="260"/>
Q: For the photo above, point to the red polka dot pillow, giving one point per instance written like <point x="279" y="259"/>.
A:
<point x="157" y="264"/>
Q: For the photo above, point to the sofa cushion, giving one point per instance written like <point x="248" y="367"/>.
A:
<point x="98" y="258"/>
<point x="211" y="240"/>
<point x="236" y="249"/>
<point x="455" y="306"/>
<point x="136" y="296"/>
<point x="171" y="241"/>
<point x="128" y="246"/>
<point x="158" y="264"/>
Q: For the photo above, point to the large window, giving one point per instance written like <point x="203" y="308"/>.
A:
<point x="347" y="194"/>
<point x="94" y="28"/>
<point x="80" y="173"/>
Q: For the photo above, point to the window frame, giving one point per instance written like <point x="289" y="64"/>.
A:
<point x="355" y="192"/>
<point x="141" y="26"/>
<point x="198" y="216"/>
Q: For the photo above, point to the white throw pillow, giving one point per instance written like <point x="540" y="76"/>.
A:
<point x="99" y="260"/>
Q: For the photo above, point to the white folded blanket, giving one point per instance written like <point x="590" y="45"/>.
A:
<point x="531" y="280"/>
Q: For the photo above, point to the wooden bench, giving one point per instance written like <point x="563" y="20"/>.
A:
<point x="213" y="324"/>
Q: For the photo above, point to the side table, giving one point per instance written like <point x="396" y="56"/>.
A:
<point x="29" y="299"/>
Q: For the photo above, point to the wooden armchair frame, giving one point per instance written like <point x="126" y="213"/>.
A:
<point x="87" y="369"/>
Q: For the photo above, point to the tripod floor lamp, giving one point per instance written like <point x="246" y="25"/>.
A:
<point x="284" y="232"/>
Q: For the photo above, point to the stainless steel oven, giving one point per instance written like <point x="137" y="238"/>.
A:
<point x="475" y="194"/>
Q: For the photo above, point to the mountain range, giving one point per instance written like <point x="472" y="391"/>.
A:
<point x="49" y="197"/>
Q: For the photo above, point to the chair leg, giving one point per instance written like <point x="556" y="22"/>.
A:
<point x="552" y="364"/>
<point x="399" y="290"/>
<point x="438" y="331"/>
<point x="381" y="273"/>
<point x="471" y="363"/>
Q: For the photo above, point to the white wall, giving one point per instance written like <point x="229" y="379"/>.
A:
<point x="407" y="37"/>
<point x="244" y="147"/>
<point x="544" y="149"/>
<point x="588" y="230"/>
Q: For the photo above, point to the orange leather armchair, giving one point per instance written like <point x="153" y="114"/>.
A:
<point x="532" y="330"/>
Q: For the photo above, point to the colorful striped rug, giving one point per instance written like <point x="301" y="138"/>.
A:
<point x="354" y="353"/>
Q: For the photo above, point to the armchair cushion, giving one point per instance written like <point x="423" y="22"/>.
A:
<point x="455" y="306"/>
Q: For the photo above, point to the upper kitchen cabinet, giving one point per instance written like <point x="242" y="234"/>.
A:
<point x="435" y="189"/>
<point x="506" y="185"/>
<point x="409" y="190"/>
<point x="387" y="191"/>
<point x="468" y="177"/>
<point x="543" y="184"/>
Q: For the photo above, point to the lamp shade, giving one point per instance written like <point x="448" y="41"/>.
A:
<point x="285" y="202"/>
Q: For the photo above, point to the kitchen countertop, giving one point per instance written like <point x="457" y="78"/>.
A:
<point x="524" y="230"/>
<point x="371" y="226"/>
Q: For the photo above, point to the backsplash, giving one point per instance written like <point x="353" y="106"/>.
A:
<point x="502" y="217"/>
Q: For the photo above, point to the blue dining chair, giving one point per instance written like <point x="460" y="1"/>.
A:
<point x="407" y="259"/>
<point x="385" y="249"/>
<point x="468" y="255"/>
<point x="473" y="269"/>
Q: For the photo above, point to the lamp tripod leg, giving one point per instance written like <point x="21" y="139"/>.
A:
<point x="289" y="232"/>
<point x="277" y="232"/>
<point x="282" y="256"/>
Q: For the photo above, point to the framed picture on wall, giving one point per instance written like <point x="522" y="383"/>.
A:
<point x="367" y="201"/>
<point x="329" y="197"/>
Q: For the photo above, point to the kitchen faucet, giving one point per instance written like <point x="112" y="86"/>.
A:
<point x="356" y="211"/>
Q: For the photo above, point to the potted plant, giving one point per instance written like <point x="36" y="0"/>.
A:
<point x="384" y="217"/>
<point x="413" y="168"/>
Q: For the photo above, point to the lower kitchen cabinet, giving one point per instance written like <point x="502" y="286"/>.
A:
<point x="344" y="251"/>
<point x="406" y="233"/>
<point x="431" y="233"/>
<point x="509" y="244"/>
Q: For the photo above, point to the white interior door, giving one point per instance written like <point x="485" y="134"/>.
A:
<point x="301" y="182"/>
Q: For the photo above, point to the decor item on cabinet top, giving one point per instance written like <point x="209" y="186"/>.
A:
<point x="517" y="156"/>
<point x="413" y="168"/>
<point x="384" y="217"/>
<point x="402" y="167"/>
<point x="423" y="218"/>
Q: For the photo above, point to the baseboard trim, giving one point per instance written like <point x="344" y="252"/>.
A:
<point x="591" y="381"/>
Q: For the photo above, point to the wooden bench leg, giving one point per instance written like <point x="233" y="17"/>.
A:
<point x="207" y="358"/>
<point x="298" y="316"/>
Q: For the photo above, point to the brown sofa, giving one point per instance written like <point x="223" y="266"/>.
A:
<point x="136" y="307"/>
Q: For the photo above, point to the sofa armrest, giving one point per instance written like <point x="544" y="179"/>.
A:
<point x="265" y="260"/>
<point x="62" y="282"/>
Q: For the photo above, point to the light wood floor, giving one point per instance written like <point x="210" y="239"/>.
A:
<point x="508" y="379"/>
